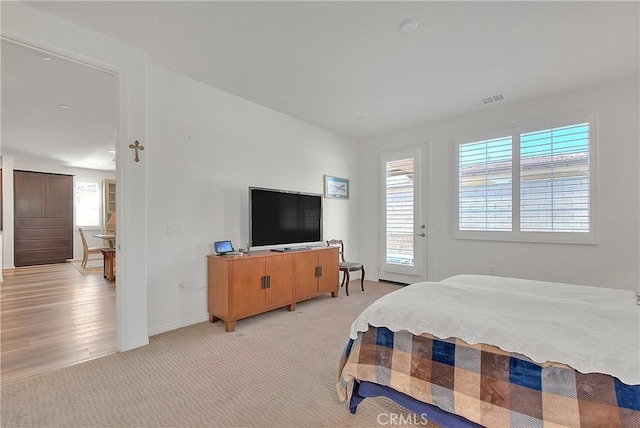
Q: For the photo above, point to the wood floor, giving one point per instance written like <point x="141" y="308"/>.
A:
<point x="52" y="316"/>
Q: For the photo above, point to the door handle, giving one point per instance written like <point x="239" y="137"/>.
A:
<point x="421" y="234"/>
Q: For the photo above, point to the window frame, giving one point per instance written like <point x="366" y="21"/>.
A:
<point x="516" y="235"/>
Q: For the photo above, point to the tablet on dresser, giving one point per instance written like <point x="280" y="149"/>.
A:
<point x="222" y="247"/>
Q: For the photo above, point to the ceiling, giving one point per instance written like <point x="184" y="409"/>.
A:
<point x="34" y="125"/>
<point x="347" y="67"/>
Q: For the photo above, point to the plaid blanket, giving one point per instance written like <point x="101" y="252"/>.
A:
<point x="485" y="384"/>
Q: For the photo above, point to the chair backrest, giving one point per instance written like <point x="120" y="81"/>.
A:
<point x="333" y="242"/>
<point x="85" y="246"/>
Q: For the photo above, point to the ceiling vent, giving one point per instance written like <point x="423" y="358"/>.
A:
<point x="487" y="100"/>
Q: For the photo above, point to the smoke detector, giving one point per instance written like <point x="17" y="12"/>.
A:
<point x="408" y="25"/>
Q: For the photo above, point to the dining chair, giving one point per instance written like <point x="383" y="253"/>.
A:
<point x="346" y="267"/>
<point x="86" y="249"/>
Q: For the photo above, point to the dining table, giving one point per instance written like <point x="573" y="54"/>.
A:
<point x="109" y="237"/>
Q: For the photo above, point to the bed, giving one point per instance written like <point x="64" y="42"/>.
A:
<point x="476" y="350"/>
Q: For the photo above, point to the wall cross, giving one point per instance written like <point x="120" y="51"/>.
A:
<point x="136" y="146"/>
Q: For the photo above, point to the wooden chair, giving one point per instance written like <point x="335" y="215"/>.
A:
<point x="346" y="267"/>
<point x="86" y="249"/>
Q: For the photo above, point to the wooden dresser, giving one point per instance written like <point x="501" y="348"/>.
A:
<point x="43" y="218"/>
<point x="244" y="285"/>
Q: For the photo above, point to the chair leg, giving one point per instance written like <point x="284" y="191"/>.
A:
<point x="346" y="287"/>
<point x="85" y="258"/>
<point x="362" y="279"/>
<point x="344" y="277"/>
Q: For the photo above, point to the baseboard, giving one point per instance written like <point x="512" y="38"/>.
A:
<point x="178" y="324"/>
<point x="143" y="341"/>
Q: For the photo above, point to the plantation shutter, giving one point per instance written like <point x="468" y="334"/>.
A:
<point x="555" y="180"/>
<point x="484" y="185"/>
<point x="400" y="208"/>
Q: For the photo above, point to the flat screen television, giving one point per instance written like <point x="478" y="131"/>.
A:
<point x="281" y="217"/>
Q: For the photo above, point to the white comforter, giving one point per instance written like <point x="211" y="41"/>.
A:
<point x="591" y="329"/>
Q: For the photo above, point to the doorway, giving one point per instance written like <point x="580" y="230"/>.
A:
<point x="403" y="209"/>
<point x="25" y="25"/>
<point x="60" y="120"/>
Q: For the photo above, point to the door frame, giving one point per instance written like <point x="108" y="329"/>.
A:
<point x="422" y="184"/>
<point x="41" y="31"/>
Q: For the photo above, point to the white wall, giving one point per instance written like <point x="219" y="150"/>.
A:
<point x="7" y="211"/>
<point x="208" y="148"/>
<point x="613" y="262"/>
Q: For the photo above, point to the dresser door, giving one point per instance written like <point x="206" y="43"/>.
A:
<point x="247" y="296"/>
<point x="280" y="272"/>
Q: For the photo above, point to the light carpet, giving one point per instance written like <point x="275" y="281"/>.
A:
<point x="277" y="369"/>
<point x="93" y="266"/>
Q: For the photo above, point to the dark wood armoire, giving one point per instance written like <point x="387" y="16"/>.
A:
<point x="43" y="211"/>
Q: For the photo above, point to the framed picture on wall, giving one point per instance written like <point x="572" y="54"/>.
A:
<point x="336" y="188"/>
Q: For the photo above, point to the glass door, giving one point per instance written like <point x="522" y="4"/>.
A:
<point x="403" y="234"/>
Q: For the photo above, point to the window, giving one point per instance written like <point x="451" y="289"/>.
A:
<point x="554" y="180"/>
<point x="484" y="172"/>
<point x="532" y="183"/>
<point x="87" y="204"/>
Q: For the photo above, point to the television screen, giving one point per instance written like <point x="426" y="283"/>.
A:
<point x="280" y="217"/>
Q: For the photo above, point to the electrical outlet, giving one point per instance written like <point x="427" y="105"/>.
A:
<point x="175" y="229"/>
<point x="492" y="270"/>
